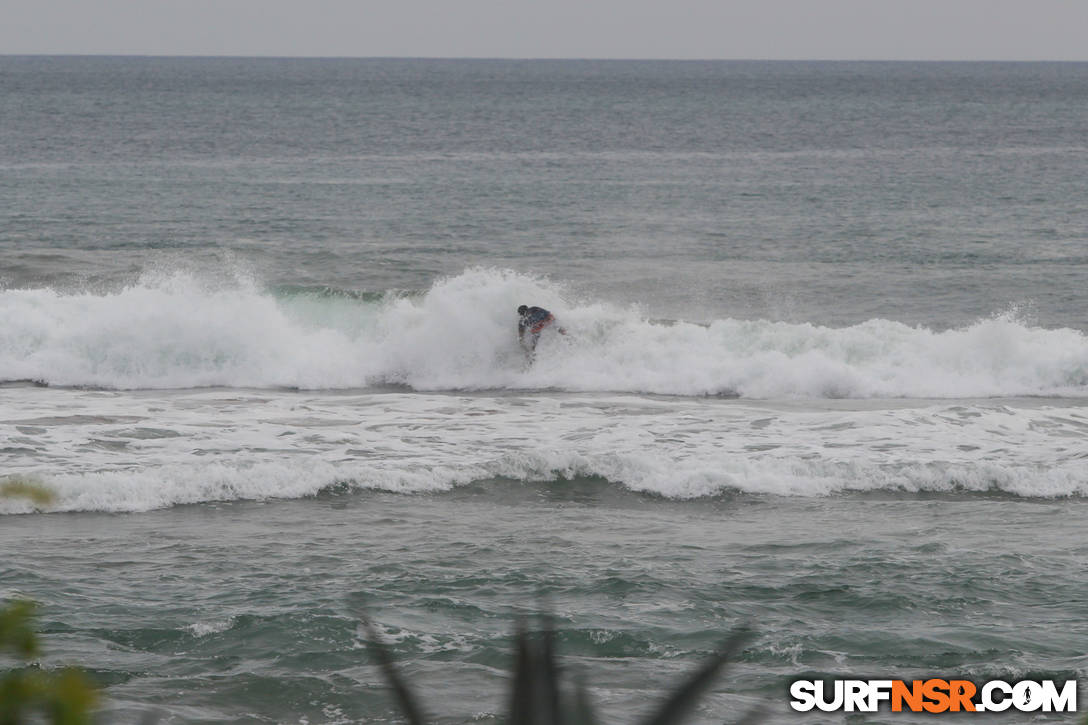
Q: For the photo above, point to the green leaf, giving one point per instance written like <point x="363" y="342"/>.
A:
<point x="17" y="629"/>
<point x="409" y="704"/>
<point x="24" y="487"/>
<point x="683" y="699"/>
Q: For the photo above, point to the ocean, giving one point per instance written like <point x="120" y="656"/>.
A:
<point x="826" y="375"/>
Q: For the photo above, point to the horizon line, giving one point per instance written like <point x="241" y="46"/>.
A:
<point x="241" y="56"/>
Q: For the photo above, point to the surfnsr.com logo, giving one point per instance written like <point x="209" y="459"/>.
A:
<point x="933" y="695"/>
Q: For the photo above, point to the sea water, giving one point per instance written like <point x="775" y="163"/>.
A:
<point x="826" y="374"/>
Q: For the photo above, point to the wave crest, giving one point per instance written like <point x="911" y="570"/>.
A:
<point x="172" y="485"/>
<point x="178" y="330"/>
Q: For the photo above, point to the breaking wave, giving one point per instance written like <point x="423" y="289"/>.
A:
<point x="179" y="330"/>
<point x="172" y="485"/>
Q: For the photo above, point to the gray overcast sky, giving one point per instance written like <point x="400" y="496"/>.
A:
<point x="786" y="29"/>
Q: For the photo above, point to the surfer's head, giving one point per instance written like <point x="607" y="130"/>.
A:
<point x="523" y="309"/>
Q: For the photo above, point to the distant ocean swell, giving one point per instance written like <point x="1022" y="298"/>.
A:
<point x="164" y="486"/>
<point x="179" y="330"/>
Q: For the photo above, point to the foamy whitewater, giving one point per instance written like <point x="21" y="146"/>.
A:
<point x="825" y="372"/>
<point x="171" y="334"/>
<point x="179" y="331"/>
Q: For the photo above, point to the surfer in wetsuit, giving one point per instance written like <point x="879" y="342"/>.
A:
<point x="531" y="322"/>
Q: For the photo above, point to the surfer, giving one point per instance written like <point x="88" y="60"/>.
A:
<point x="531" y="322"/>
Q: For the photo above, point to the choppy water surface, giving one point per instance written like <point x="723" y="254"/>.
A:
<point x="247" y="611"/>
<point x="826" y="373"/>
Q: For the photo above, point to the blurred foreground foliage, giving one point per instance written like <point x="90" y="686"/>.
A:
<point x="29" y="694"/>
<point x="26" y="487"/>
<point x="538" y="696"/>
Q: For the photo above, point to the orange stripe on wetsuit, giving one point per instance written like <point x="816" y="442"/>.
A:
<point x="543" y="323"/>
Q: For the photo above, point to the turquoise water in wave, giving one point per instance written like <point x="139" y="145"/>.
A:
<point x="826" y="374"/>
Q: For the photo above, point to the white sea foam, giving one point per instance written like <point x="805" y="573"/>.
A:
<point x="121" y="451"/>
<point x="114" y="450"/>
<point x="181" y="331"/>
<point x="204" y="628"/>
<point x="165" y="486"/>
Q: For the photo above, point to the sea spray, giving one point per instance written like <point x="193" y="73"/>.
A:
<point x="176" y="331"/>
